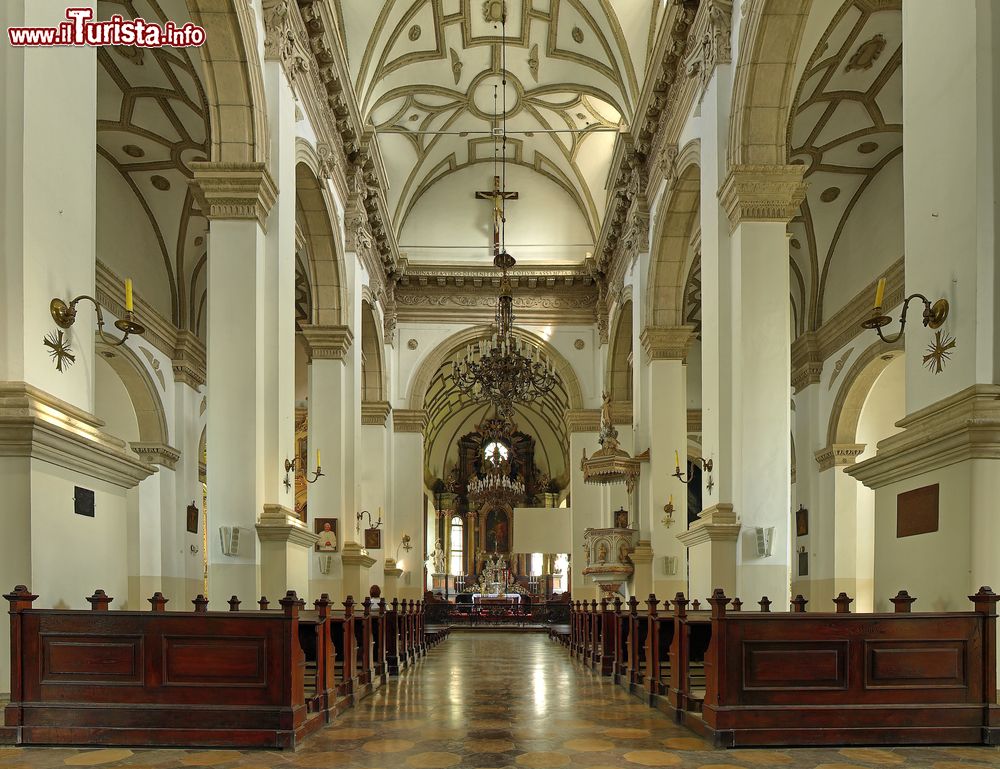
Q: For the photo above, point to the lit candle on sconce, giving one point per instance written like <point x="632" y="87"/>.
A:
<point x="879" y="293"/>
<point x="128" y="295"/>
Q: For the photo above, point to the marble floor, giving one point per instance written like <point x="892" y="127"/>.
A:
<point x="492" y="699"/>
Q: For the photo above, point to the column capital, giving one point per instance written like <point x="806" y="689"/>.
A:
<point x="409" y="420"/>
<point x="583" y="420"/>
<point x="762" y="193"/>
<point x="233" y="190"/>
<point x="714" y="524"/>
<point x="156" y="454"/>
<point x="807" y="361"/>
<point x="838" y="455"/>
<point x="375" y="413"/>
<point x="667" y="342"/>
<point x="188" y="360"/>
<point x="328" y="342"/>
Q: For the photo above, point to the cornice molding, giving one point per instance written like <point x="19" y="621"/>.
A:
<point x="37" y="425"/>
<point x="583" y="420"/>
<point x="762" y="193"/>
<point x="157" y="454"/>
<point x="409" y="420"/>
<point x="375" y="413"/>
<point x="431" y="303"/>
<point x="694" y="420"/>
<point x="327" y="342"/>
<point x="961" y="427"/>
<point x="233" y="190"/>
<point x="667" y="342"/>
<point x="715" y="524"/>
<point x="838" y="455"/>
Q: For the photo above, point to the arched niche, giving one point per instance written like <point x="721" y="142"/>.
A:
<point x="372" y="356"/>
<point x="676" y="225"/>
<point x="314" y="216"/>
<point x="764" y="81"/>
<point x="142" y="391"/>
<point x="234" y="83"/>
<point x="855" y="388"/>
<point x="618" y="373"/>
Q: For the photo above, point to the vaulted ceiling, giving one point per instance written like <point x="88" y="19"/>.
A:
<point x="847" y="129"/>
<point x="426" y="72"/>
<point x="152" y="120"/>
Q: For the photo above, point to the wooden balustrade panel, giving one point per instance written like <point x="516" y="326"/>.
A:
<point x="794" y="679"/>
<point x="159" y="678"/>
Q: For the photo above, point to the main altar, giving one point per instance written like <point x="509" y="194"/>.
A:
<point x="496" y="584"/>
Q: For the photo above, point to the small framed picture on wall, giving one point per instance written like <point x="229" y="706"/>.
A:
<point x="326" y="528"/>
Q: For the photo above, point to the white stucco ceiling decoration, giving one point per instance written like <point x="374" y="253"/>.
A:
<point x="423" y="66"/>
<point x="846" y="127"/>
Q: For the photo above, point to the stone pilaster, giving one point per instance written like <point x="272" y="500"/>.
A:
<point x="233" y="191"/>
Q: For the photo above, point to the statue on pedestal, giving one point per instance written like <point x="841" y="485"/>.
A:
<point x="438" y="559"/>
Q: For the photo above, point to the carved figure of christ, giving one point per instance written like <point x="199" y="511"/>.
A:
<point x="497" y="196"/>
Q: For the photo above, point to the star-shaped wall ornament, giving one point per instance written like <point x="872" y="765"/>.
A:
<point x="939" y="351"/>
<point x="59" y="350"/>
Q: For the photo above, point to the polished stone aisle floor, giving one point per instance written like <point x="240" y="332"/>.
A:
<point x="489" y="700"/>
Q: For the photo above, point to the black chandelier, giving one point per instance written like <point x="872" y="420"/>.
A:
<point x="503" y="370"/>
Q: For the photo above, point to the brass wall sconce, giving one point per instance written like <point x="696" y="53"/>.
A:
<point x="405" y="544"/>
<point x="668" y="508"/>
<point x="65" y="316"/>
<point x="290" y="468"/>
<point x="934" y="315"/>
<point x="706" y="466"/>
<point x="371" y="524"/>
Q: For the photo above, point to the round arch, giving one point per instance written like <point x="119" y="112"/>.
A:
<point x="372" y="355"/>
<point x="234" y="83"/>
<point x="672" y="237"/>
<point x="854" y="390"/>
<point x="618" y="371"/>
<point x="142" y="391"/>
<point x="447" y="348"/>
<point x="770" y="38"/>
<point x="314" y="215"/>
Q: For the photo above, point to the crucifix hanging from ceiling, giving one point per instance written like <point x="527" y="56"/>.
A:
<point x="498" y="196"/>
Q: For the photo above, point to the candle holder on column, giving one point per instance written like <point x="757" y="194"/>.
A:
<point x="290" y="468"/>
<point x="934" y="315"/>
<point x="64" y="314"/>
<point x="706" y="466"/>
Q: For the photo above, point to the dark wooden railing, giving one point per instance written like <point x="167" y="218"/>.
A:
<point x="234" y="678"/>
<point x="803" y="677"/>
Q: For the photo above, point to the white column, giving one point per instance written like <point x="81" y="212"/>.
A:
<point x="664" y="374"/>
<point x="950" y="225"/>
<point x="760" y="201"/>
<point x="278" y="354"/>
<point x="835" y="527"/>
<point x="48" y="132"/>
<point x="408" y="496"/>
<point x="328" y="348"/>
<point x="186" y="580"/>
<point x="236" y="200"/>
<point x="375" y="478"/>
<point x="718" y="293"/>
<point x="586" y="500"/>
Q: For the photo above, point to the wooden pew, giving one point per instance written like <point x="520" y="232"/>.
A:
<point x="609" y="638"/>
<point x="342" y="636"/>
<point x="620" y="668"/>
<point x="395" y="653"/>
<point x="364" y="644"/>
<point x="638" y="627"/>
<point x="837" y="678"/>
<point x="594" y="658"/>
<point x="659" y="638"/>
<point x="380" y="632"/>
<point x="157" y="678"/>
<point x="692" y="632"/>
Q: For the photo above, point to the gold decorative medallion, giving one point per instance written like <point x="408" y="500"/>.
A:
<point x="939" y="351"/>
<point x="59" y="350"/>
